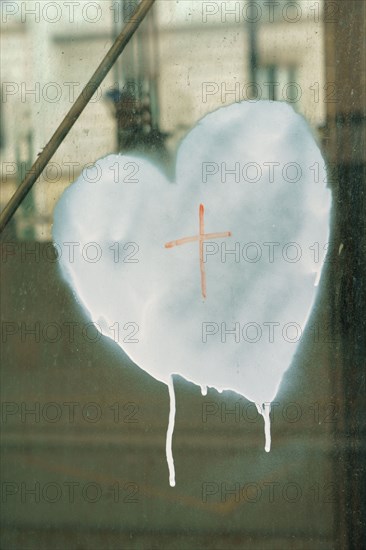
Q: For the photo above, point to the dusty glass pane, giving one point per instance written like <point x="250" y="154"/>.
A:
<point x="84" y="428"/>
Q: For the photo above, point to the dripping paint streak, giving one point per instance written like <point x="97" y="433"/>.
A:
<point x="169" y="434"/>
<point x="267" y="426"/>
<point x="265" y="410"/>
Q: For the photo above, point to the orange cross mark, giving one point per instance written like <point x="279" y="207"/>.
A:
<point x="201" y="238"/>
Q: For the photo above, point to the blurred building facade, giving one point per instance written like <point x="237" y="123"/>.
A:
<point x="188" y="58"/>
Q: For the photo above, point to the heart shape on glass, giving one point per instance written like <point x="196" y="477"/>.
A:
<point x="212" y="277"/>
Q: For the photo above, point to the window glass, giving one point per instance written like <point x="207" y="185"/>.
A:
<point x="85" y="450"/>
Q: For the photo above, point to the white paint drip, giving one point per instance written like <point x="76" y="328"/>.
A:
<point x="204" y="390"/>
<point x="265" y="410"/>
<point x="267" y="426"/>
<point x="169" y="434"/>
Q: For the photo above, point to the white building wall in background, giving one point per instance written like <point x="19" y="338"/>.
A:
<point x="47" y="55"/>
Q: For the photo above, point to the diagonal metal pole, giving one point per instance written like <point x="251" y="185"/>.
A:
<point x="39" y="165"/>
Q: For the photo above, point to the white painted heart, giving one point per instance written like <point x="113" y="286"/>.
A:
<point x="225" y="306"/>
